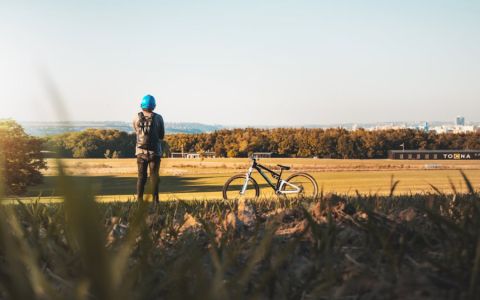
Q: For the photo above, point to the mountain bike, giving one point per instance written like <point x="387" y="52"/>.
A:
<point x="297" y="185"/>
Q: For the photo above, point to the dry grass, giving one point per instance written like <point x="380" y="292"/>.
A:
<point x="228" y="165"/>
<point x="188" y="179"/>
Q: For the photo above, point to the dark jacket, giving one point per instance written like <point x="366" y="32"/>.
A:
<point x="157" y="135"/>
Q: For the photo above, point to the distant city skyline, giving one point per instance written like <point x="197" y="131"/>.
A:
<point x="51" y="128"/>
<point x="265" y="63"/>
<point x="454" y="121"/>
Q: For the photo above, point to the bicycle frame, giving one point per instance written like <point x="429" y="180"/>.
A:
<point x="278" y="176"/>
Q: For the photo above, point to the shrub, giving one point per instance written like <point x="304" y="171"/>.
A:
<point x="21" y="156"/>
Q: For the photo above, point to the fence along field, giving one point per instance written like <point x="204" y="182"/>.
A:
<point x="186" y="179"/>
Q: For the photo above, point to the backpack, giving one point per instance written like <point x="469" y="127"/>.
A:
<point x="144" y="135"/>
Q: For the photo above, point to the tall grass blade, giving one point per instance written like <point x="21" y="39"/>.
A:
<point x="437" y="190"/>
<point x="120" y="260"/>
<point x="258" y="254"/>
<point x="24" y="279"/>
<point x="452" y="186"/>
<point x="471" y="189"/>
<point x="393" y="185"/>
<point x="2" y="175"/>
<point x="87" y="233"/>
<point x="475" y="275"/>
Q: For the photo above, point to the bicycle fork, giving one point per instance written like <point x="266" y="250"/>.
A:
<point x="247" y="178"/>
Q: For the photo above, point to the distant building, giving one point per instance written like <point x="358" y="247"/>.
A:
<point x="389" y="127"/>
<point x="193" y="155"/>
<point x="426" y="127"/>
<point x="455" y="129"/>
<point x="435" y="154"/>
<point x="184" y="155"/>
<point x="262" y="154"/>
<point x="464" y="129"/>
<point x="207" y="154"/>
<point x="442" y="129"/>
<point x="178" y="155"/>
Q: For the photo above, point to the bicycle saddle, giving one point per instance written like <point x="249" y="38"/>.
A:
<point x="284" y="167"/>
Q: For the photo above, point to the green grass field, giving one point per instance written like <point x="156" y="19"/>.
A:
<point x="114" y="179"/>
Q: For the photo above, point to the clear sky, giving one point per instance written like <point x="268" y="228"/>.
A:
<point x="243" y="62"/>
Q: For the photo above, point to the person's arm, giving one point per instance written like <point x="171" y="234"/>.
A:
<point x="161" y="130"/>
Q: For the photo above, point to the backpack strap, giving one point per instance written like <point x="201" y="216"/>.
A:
<point x="141" y="119"/>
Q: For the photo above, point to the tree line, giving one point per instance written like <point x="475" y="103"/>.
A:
<point x="282" y="142"/>
<point x="91" y="143"/>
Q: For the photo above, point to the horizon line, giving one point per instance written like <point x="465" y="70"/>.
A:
<point x="245" y="125"/>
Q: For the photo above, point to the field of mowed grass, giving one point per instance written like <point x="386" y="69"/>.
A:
<point x="186" y="179"/>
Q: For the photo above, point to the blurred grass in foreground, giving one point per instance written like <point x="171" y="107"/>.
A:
<point x="352" y="247"/>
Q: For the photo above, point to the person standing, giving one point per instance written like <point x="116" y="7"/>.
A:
<point x="150" y="131"/>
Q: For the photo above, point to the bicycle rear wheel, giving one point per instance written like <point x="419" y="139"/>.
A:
<point x="300" y="185"/>
<point x="233" y="187"/>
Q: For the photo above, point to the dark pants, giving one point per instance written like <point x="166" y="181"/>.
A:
<point x="145" y="162"/>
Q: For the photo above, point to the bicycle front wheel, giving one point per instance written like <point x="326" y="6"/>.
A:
<point x="300" y="185"/>
<point x="233" y="188"/>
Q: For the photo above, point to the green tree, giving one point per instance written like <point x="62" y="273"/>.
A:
<point x="21" y="156"/>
